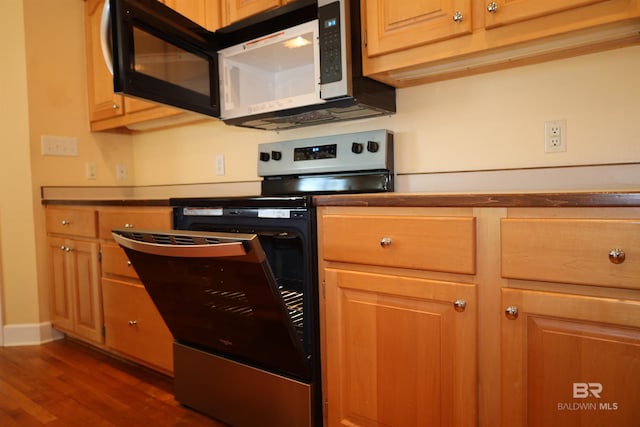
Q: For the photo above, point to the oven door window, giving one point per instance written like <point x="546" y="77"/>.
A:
<point x="162" y="56"/>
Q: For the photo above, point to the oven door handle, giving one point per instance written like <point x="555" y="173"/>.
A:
<point x="221" y="248"/>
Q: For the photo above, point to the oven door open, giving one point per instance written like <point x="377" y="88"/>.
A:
<point x="216" y="292"/>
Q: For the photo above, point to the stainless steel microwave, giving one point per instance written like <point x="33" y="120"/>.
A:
<point x="293" y="66"/>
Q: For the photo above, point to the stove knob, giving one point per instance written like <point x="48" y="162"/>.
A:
<point x="264" y="157"/>
<point x="372" y="146"/>
<point x="356" y="147"/>
<point x="276" y="155"/>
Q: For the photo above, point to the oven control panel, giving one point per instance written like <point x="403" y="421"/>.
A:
<point x="360" y="151"/>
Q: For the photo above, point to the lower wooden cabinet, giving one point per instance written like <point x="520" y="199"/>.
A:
<point x="399" y="316"/>
<point x="133" y="326"/>
<point x="75" y="287"/>
<point x="400" y="351"/>
<point x="569" y="360"/>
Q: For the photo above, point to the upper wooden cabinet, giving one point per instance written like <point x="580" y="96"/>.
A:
<point x="203" y="12"/>
<point x="109" y="111"/>
<point x="394" y="25"/>
<point x="103" y="103"/>
<point x="409" y="43"/>
<point x="509" y="11"/>
<point x="235" y="10"/>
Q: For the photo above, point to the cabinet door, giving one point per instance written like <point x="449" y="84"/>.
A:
<point x="129" y="217"/>
<point x="75" y="278"/>
<point x="398" y="351"/>
<point x="510" y="11"/>
<point x="103" y="103"/>
<point x="134" y="326"/>
<point x="202" y="12"/>
<point x="396" y="25"/>
<point x="570" y="360"/>
<point x="60" y="286"/>
<point x="235" y="10"/>
<point x="86" y="287"/>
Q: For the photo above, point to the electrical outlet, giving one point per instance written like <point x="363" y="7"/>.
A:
<point x="121" y="171"/>
<point x="555" y="136"/>
<point x="220" y="164"/>
<point x="91" y="170"/>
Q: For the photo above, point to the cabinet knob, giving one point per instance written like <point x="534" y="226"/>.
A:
<point x="492" y="7"/>
<point x="128" y="263"/>
<point x="617" y="256"/>
<point x="133" y="322"/>
<point x="459" y="305"/>
<point x="115" y="106"/>
<point x="65" y="222"/>
<point x="385" y="242"/>
<point x="128" y="226"/>
<point x="458" y="17"/>
<point x="511" y="312"/>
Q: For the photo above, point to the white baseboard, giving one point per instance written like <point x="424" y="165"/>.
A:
<point x="30" y="334"/>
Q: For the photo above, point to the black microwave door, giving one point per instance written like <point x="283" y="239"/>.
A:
<point x="160" y="55"/>
<point x="216" y="291"/>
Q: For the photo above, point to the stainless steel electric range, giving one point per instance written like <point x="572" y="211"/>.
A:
<point x="236" y="281"/>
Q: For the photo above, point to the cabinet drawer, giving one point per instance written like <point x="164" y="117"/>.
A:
<point x="133" y="325"/>
<point x="445" y="244"/>
<point x="572" y="251"/>
<point x="115" y="261"/>
<point x="147" y="218"/>
<point x="71" y="221"/>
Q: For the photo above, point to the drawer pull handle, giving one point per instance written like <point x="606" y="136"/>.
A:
<point x="492" y="7"/>
<point x="128" y="226"/>
<point x="617" y="256"/>
<point x="385" y="242"/>
<point x="65" y="222"/>
<point x="511" y="312"/>
<point x="459" y="305"/>
<point x="133" y="322"/>
<point x="66" y="248"/>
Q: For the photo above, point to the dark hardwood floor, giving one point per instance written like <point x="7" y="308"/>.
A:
<point x="65" y="384"/>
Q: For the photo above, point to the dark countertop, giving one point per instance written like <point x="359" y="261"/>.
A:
<point x="569" y="199"/>
<point x="107" y="202"/>
<point x="573" y="199"/>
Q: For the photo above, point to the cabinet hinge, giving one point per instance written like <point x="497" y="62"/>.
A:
<point x="323" y="287"/>
<point x="366" y="41"/>
<point x="99" y="256"/>
<point x="104" y="331"/>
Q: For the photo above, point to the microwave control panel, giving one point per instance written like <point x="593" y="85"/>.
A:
<point x="330" y="32"/>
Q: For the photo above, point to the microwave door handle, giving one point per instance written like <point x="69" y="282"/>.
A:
<point x="105" y="35"/>
<point x="211" y="250"/>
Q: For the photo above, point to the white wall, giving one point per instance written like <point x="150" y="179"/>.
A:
<point x="18" y="279"/>
<point x="483" y="122"/>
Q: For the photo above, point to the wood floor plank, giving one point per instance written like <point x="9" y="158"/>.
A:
<point x="65" y="384"/>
